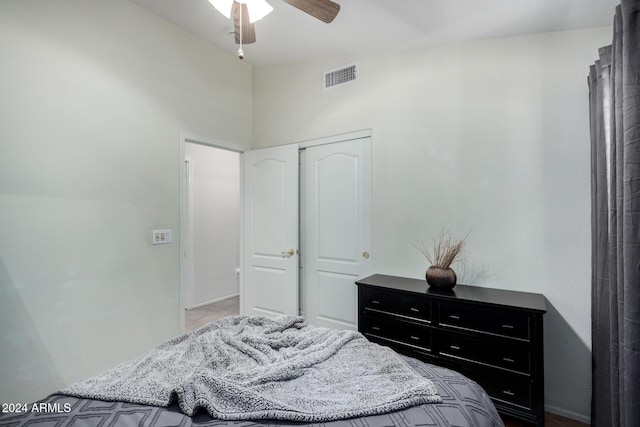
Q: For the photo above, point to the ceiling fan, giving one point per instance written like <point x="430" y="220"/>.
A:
<point x="246" y="12"/>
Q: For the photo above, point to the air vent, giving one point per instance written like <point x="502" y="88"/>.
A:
<point x="340" y="76"/>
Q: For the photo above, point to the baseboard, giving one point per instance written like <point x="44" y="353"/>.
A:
<point x="568" y="414"/>
<point x="202" y="304"/>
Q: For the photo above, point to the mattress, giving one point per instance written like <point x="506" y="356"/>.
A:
<point x="464" y="403"/>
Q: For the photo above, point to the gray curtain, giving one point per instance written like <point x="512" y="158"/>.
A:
<point x="614" y="98"/>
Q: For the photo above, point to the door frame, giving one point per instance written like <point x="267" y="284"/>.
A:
<point x="365" y="133"/>
<point x="188" y="232"/>
<point x="182" y="280"/>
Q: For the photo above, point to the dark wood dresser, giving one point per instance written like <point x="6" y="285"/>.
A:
<point x="492" y="336"/>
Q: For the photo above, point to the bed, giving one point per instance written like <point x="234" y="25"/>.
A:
<point x="412" y="393"/>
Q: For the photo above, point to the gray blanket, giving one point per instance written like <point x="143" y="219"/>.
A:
<point x="261" y="368"/>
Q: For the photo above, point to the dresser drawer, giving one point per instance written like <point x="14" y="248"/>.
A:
<point x="507" y="323"/>
<point x="507" y="390"/>
<point x="406" y="305"/>
<point x="398" y="331"/>
<point x="499" y="355"/>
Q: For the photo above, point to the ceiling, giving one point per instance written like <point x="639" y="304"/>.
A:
<point x="289" y="35"/>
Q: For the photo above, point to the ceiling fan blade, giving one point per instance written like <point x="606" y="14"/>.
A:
<point x="324" y="10"/>
<point x="248" y="29"/>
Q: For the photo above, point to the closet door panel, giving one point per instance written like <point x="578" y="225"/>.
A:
<point x="337" y="231"/>
<point x="269" y="285"/>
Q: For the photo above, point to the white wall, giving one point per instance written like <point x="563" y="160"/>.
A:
<point x="93" y="97"/>
<point x="215" y="201"/>
<point x="490" y="135"/>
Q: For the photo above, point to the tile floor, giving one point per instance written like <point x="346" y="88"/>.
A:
<point x="200" y="316"/>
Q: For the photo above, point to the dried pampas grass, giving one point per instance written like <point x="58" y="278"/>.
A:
<point x="445" y="251"/>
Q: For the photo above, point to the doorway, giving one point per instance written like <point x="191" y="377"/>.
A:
<point x="211" y="233"/>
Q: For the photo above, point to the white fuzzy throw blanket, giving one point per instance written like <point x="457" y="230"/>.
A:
<point x="244" y="367"/>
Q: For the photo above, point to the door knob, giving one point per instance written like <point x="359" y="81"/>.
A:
<point x="288" y="253"/>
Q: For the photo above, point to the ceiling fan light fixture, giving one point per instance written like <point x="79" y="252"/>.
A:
<point x="258" y="9"/>
<point x="223" y="6"/>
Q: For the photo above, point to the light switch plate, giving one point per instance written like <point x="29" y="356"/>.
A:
<point x="161" y="237"/>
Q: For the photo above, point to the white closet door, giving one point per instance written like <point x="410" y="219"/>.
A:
<point x="270" y="245"/>
<point x="338" y="230"/>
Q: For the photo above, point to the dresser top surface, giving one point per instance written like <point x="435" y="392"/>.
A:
<point x="516" y="299"/>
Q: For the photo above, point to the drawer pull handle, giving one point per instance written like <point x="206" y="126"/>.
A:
<point x="508" y="359"/>
<point x="454" y="347"/>
<point x="508" y="392"/>
<point x="415" y="310"/>
<point x="507" y="326"/>
<point x="375" y="302"/>
<point x="375" y="328"/>
<point x="415" y="338"/>
<point x="453" y="316"/>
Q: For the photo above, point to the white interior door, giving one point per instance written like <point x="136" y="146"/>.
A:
<point x="270" y="245"/>
<point x="337" y="230"/>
